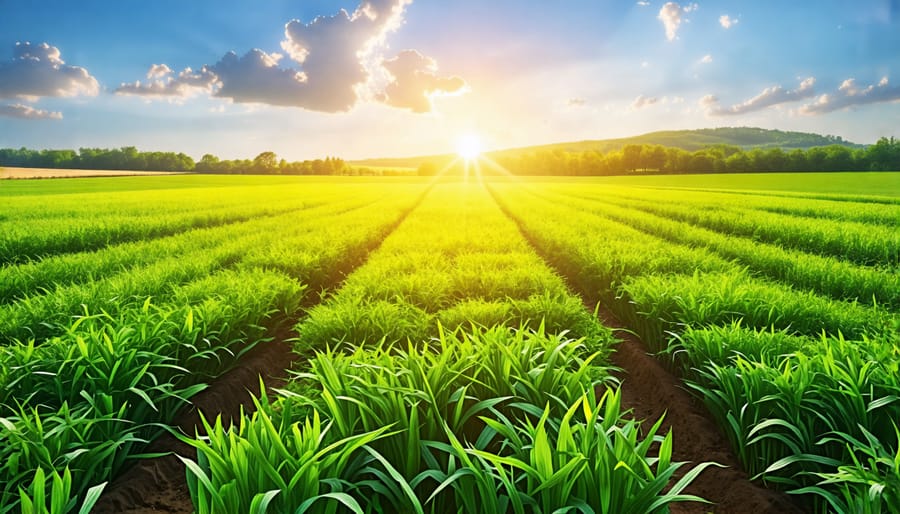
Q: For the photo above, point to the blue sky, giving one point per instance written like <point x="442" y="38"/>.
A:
<point x="402" y="77"/>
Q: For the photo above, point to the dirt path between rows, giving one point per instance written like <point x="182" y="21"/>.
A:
<point x="158" y="485"/>
<point x="650" y="390"/>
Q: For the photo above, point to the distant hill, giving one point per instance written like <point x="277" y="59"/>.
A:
<point x="690" y="140"/>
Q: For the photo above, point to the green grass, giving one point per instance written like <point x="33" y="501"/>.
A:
<point x="804" y="385"/>
<point x="450" y="367"/>
<point x="877" y="184"/>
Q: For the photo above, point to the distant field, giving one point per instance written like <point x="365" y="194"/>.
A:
<point x="850" y="183"/>
<point x="99" y="184"/>
<point x="29" y="173"/>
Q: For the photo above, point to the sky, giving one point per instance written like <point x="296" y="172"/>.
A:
<point x="377" y="78"/>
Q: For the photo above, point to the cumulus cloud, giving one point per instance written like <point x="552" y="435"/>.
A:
<point x="27" y="112"/>
<point x="708" y="101"/>
<point x="643" y="101"/>
<point x="38" y="70"/>
<point x="162" y="82"/>
<point x="332" y="63"/>
<point x="727" y="21"/>
<point x="643" y="3"/>
<point x="767" y="98"/>
<point x="158" y="71"/>
<point x="672" y="15"/>
<point x="415" y="82"/>
<point x="706" y="59"/>
<point x="849" y="95"/>
<point x="336" y="52"/>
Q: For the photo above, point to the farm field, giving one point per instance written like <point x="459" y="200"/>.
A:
<point x="451" y="343"/>
<point x="32" y="173"/>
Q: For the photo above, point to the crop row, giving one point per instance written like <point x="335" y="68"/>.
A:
<point x="825" y="275"/>
<point x="93" y="226"/>
<point x="866" y="244"/>
<point x="806" y="409"/>
<point x="83" y="400"/>
<point x="306" y="248"/>
<point x="20" y="281"/>
<point x="796" y="205"/>
<point x="497" y="413"/>
<point x="152" y="196"/>
<point x="458" y="261"/>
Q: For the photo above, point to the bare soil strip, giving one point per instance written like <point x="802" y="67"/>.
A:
<point x="158" y="485"/>
<point x="650" y="390"/>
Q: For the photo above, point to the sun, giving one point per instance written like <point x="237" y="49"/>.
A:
<point x="468" y="146"/>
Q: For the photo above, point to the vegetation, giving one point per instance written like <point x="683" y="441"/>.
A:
<point x="91" y="368"/>
<point x="774" y="333"/>
<point x="446" y="366"/>
<point x="490" y="409"/>
<point x="746" y="138"/>
<point x="129" y="158"/>
<point x="642" y="159"/>
<point x="723" y="150"/>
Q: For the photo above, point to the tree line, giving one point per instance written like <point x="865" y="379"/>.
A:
<point x="126" y="158"/>
<point x="630" y="159"/>
<point x="656" y="159"/>
<point x="130" y="159"/>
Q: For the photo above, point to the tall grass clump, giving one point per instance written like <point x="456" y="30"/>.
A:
<point x="487" y="420"/>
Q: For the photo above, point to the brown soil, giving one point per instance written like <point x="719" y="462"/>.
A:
<point x="650" y="390"/>
<point x="158" y="485"/>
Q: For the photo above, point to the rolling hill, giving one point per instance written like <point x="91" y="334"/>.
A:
<point x="744" y="137"/>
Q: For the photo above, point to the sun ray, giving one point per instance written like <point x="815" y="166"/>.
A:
<point x="468" y="146"/>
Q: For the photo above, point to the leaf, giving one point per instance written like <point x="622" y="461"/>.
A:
<point x="261" y="501"/>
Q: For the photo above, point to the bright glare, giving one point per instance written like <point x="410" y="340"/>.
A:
<point x="468" y="146"/>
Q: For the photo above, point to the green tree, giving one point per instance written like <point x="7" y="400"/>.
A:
<point x="265" y="162"/>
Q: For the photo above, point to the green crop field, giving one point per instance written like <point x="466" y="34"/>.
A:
<point x="449" y="353"/>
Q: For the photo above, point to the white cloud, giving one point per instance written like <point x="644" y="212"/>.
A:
<point x="706" y="59"/>
<point x="643" y="101"/>
<point x="27" y="112"/>
<point x="158" y="71"/>
<point x="643" y="3"/>
<point x="415" y="82"/>
<point x="727" y="21"/>
<point x="162" y="83"/>
<point x="334" y="63"/>
<point x="576" y="102"/>
<point x="769" y="97"/>
<point x="708" y="101"/>
<point x="849" y="95"/>
<point x="672" y="15"/>
<point x="38" y="70"/>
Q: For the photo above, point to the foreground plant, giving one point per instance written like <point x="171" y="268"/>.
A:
<point x="593" y="460"/>
<point x="34" y="498"/>
<point x="269" y="461"/>
<point x="496" y="421"/>
<point x="870" y="484"/>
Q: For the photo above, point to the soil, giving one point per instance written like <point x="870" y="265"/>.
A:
<point x="650" y="390"/>
<point x="158" y="485"/>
